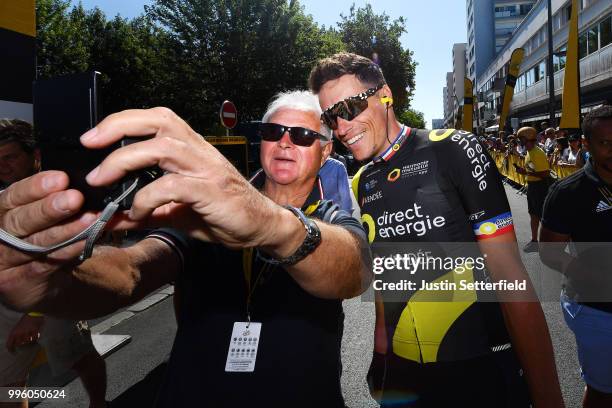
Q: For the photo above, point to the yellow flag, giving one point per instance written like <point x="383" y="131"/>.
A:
<point x="513" y="71"/>
<point x="570" y="111"/>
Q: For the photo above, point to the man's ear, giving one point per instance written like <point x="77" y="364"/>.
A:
<point x="326" y="151"/>
<point x="386" y="96"/>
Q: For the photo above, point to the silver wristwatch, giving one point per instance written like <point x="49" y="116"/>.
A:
<point x="310" y="243"/>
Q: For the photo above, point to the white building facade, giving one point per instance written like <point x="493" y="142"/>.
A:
<point x="531" y="93"/>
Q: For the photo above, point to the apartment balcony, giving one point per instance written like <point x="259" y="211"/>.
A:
<point x="595" y="73"/>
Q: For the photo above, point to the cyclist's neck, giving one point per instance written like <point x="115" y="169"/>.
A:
<point x="394" y="131"/>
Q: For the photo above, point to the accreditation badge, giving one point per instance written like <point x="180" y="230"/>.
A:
<point x="242" y="351"/>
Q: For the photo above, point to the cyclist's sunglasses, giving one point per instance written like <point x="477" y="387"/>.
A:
<point x="273" y="132"/>
<point x="348" y="108"/>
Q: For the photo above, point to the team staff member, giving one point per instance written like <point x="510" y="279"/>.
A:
<point x="537" y="171"/>
<point x="283" y="268"/>
<point x="588" y="193"/>
<point x="446" y="188"/>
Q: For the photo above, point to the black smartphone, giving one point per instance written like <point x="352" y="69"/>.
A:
<point x="65" y="108"/>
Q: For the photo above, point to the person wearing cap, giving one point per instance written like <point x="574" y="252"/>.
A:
<point x="560" y="145"/>
<point x="537" y="171"/>
<point x="549" y="141"/>
<point x="559" y="133"/>
<point x="542" y="135"/>
<point x="571" y="153"/>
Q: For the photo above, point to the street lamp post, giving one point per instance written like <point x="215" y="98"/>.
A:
<point x="550" y="69"/>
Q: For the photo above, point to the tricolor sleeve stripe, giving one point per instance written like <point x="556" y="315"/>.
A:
<point x="494" y="227"/>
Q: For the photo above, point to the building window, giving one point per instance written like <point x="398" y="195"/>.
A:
<point x="535" y="41"/>
<point x="582" y="45"/>
<point x="542" y="70"/>
<point x="559" y="58"/>
<point x="520" y="83"/>
<point x="530" y="77"/>
<point x="506" y="11"/>
<point x="556" y="21"/>
<point x="526" y="8"/>
<point x="586" y="3"/>
<point x="593" y="39"/>
<point x="605" y="31"/>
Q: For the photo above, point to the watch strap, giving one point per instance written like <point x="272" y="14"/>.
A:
<point x="310" y="243"/>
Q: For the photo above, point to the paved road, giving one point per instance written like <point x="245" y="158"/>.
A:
<point x="562" y="338"/>
<point x="135" y="371"/>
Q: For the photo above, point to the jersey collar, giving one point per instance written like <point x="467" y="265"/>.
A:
<point x="395" y="146"/>
<point x="316" y="195"/>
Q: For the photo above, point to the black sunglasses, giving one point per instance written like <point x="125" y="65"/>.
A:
<point x="348" y="108"/>
<point x="273" y="132"/>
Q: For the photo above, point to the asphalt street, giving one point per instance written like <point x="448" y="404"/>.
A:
<point x="136" y="370"/>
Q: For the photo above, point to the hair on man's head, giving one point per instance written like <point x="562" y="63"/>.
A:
<point x="17" y="131"/>
<point x="590" y="121"/>
<point x="345" y="63"/>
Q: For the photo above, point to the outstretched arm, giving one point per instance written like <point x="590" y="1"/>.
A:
<point x="112" y="278"/>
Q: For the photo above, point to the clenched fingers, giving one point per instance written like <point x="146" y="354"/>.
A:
<point x="170" y="154"/>
<point x="31" y="189"/>
<point x="137" y="122"/>
<point x="36" y="216"/>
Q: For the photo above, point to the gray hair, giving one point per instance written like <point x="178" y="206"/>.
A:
<point x="298" y="100"/>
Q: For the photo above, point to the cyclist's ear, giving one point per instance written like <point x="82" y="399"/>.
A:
<point x="386" y="98"/>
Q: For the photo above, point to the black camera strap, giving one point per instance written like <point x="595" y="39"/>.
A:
<point x="90" y="234"/>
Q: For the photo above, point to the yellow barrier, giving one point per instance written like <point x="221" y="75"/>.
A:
<point x="505" y="165"/>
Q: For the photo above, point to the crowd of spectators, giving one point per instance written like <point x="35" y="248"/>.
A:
<point x="561" y="148"/>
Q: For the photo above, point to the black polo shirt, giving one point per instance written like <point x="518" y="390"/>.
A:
<point x="298" y="361"/>
<point x="581" y="206"/>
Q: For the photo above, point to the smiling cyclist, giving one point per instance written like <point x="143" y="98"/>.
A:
<point x="434" y="187"/>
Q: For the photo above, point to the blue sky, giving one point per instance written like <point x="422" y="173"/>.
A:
<point x="433" y="27"/>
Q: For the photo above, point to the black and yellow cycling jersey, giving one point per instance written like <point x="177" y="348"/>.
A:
<point x="436" y="186"/>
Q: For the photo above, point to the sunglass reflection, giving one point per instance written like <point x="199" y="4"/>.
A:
<point x="348" y="108"/>
<point x="273" y="132"/>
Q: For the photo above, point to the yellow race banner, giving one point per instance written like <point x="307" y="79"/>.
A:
<point x="515" y="65"/>
<point x="468" y="105"/>
<point x="570" y="111"/>
<point x="505" y="164"/>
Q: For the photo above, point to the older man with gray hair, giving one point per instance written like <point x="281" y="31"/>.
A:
<point x="261" y="267"/>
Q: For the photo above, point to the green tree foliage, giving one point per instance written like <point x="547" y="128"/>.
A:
<point x="61" y="47"/>
<point x="242" y="50"/>
<point x="190" y="55"/>
<point x="129" y="53"/>
<point x="412" y="118"/>
<point x="376" y="37"/>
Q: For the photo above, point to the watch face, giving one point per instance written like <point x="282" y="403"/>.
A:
<point x="311" y="241"/>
